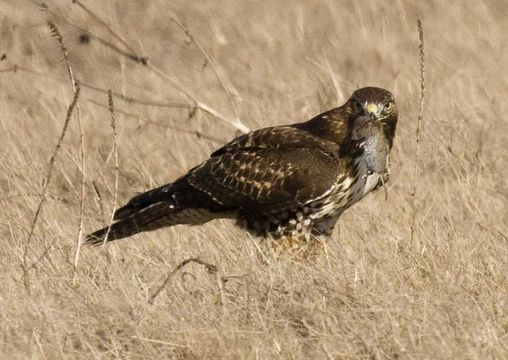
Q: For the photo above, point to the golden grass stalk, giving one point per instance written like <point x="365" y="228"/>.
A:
<point x="418" y="128"/>
<point x="56" y="34"/>
<point x="25" y="266"/>
<point x="111" y="108"/>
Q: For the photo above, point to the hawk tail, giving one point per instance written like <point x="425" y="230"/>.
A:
<point x="149" y="218"/>
<point x="168" y="205"/>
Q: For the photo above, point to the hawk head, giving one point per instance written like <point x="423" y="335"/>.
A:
<point x="378" y="104"/>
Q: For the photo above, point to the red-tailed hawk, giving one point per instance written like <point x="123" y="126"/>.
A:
<point x="283" y="183"/>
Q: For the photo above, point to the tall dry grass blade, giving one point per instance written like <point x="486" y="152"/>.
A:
<point x="111" y="108"/>
<point x="56" y="34"/>
<point x="111" y="46"/>
<point x="25" y="266"/>
<point x="418" y="128"/>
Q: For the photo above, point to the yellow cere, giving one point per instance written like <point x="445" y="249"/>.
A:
<point x="372" y="108"/>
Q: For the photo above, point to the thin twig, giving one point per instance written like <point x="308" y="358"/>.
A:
<point x="236" y="123"/>
<point x="209" y="59"/>
<point x="129" y="55"/>
<point x="198" y="134"/>
<point x="42" y="256"/>
<point x="115" y="150"/>
<point x="418" y="127"/>
<point x="108" y="28"/>
<point x="209" y="267"/>
<point x="56" y="34"/>
<point x="25" y="267"/>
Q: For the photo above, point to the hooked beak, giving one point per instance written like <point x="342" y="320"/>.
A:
<point x="372" y="110"/>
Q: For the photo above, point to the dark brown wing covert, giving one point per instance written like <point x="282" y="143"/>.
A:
<point x="266" y="179"/>
<point x="278" y="137"/>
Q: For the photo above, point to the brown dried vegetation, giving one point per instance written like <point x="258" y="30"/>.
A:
<point x="186" y="77"/>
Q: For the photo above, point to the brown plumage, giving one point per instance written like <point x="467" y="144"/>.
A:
<point x="283" y="183"/>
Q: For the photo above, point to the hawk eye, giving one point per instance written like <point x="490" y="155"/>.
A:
<point x="357" y="106"/>
<point x="388" y="106"/>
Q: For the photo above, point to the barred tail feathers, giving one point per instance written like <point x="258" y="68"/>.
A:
<point x="149" y="219"/>
<point x="171" y="204"/>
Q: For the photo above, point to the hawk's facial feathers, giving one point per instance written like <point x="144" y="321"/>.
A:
<point x="379" y="104"/>
<point x="376" y="102"/>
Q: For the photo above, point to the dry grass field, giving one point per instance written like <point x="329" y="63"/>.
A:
<point x="374" y="293"/>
